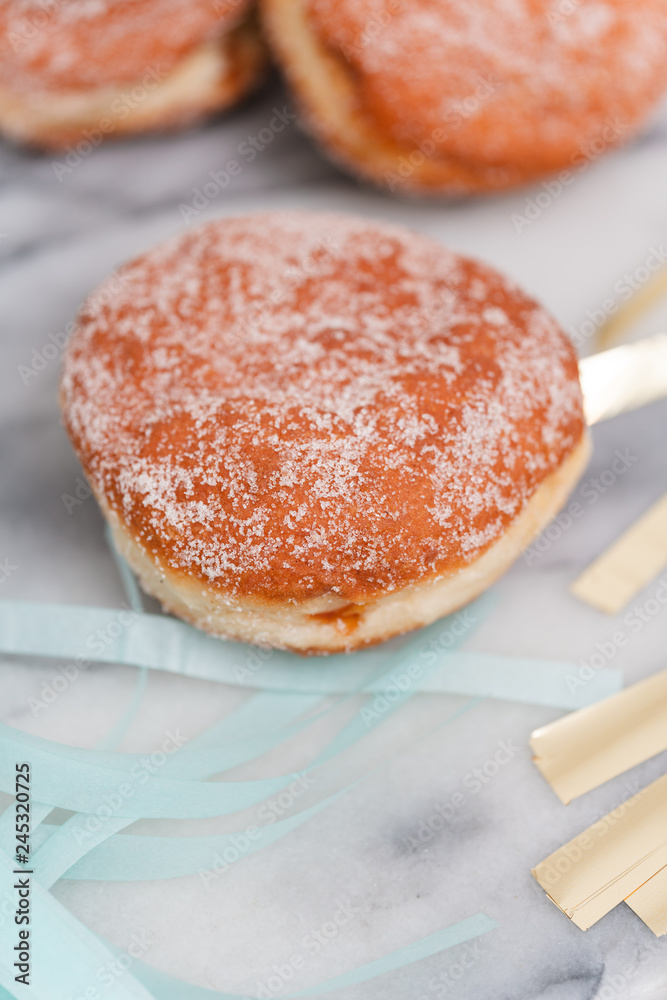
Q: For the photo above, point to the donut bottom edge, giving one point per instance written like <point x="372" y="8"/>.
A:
<point x="210" y="78"/>
<point x="326" y="625"/>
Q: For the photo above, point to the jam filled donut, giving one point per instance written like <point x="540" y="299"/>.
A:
<point x="452" y="97"/>
<point x="82" y="70"/>
<point x="314" y="431"/>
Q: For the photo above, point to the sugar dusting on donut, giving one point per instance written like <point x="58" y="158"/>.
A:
<point x="291" y="404"/>
<point x="527" y="82"/>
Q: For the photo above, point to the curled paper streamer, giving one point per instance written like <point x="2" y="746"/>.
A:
<point x="587" y="748"/>
<point x="59" y="861"/>
<point x="106" y="635"/>
<point x="73" y="778"/>
<point x="434" y="944"/>
<point x="144" y="857"/>
<point x="73" y="963"/>
<point x="204" y="756"/>
<point x="80" y="783"/>
<point x="139" y="858"/>
<point x="70" y="957"/>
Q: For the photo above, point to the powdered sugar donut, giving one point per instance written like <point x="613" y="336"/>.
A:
<point x="447" y="97"/>
<point x="314" y="431"/>
<point x="83" y="70"/>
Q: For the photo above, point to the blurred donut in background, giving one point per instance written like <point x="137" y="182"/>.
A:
<point x="444" y="97"/>
<point x="93" y="69"/>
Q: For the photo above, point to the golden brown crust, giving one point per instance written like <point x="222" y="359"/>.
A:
<point x="291" y="406"/>
<point x="303" y="627"/>
<point x="444" y="97"/>
<point x="52" y="103"/>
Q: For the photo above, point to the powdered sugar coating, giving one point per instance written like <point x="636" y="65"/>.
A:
<point x="81" y="44"/>
<point x="503" y="83"/>
<point x="286" y="405"/>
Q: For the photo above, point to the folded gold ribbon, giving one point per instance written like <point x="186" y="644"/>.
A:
<point x="627" y="566"/>
<point x="624" y="378"/>
<point x="650" y="902"/>
<point x="586" y="748"/>
<point x="623" y="855"/>
<point x="611" y="860"/>
<point x="620" y="322"/>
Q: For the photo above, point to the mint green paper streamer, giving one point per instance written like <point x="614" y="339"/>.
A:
<point x="38" y="812"/>
<point x="86" y="788"/>
<point x="166" y="857"/>
<point x="133" y="594"/>
<point x="70" y="785"/>
<point x="143" y="857"/>
<point x="54" y="857"/>
<point x="68" y="631"/>
<point x="68" y="956"/>
<point x="160" y="642"/>
<point x="355" y="731"/>
<point x="127" y="577"/>
<point x="168" y="988"/>
<point x="53" y="860"/>
<point x="413" y="952"/>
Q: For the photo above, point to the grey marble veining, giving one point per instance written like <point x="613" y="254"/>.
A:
<point x="60" y="233"/>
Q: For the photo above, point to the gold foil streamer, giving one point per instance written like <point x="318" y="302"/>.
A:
<point x="608" y="862"/>
<point x="618" y="325"/>
<point x="586" y="748"/>
<point x="649" y="902"/>
<point x="624" y="378"/>
<point x="628" y="565"/>
<point x="623" y="855"/>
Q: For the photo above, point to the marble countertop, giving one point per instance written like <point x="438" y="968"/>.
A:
<point x="64" y="224"/>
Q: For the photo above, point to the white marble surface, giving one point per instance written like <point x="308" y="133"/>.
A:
<point x="59" y="237"/>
